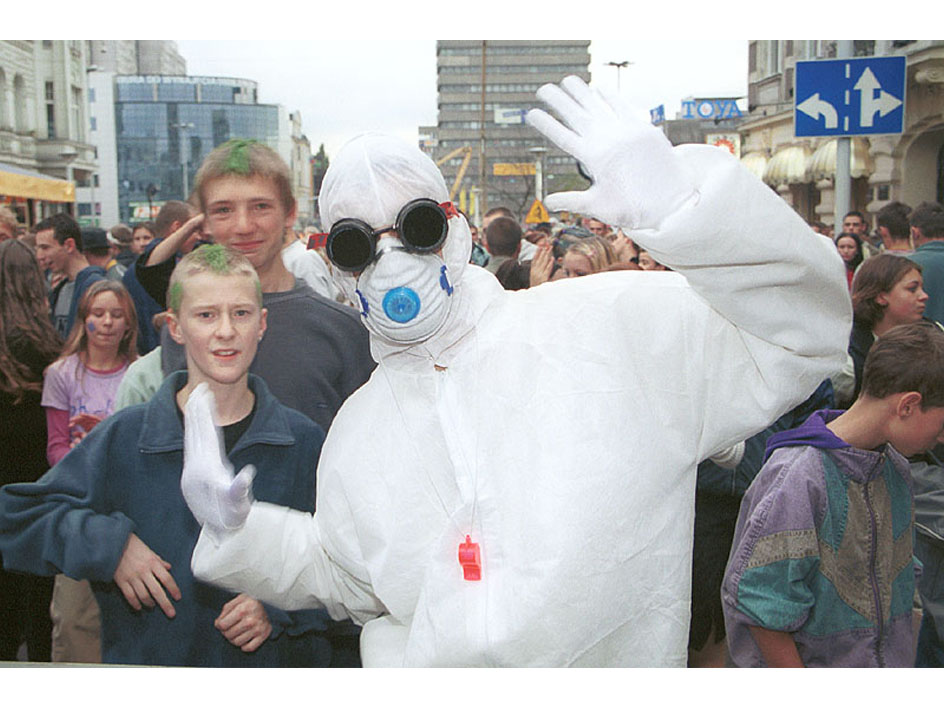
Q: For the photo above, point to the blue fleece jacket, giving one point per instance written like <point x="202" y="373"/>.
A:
<point x="125" y="477"/>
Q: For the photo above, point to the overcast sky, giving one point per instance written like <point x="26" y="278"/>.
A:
<point x="344" y="88"/>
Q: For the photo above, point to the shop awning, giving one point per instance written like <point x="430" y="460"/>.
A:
<point x="755" y="163"/>
<point x="26" y="184"/>
<point x="823" y="163"/>
<point x="787" y="166"/>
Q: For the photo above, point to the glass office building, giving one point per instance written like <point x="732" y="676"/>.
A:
<point x="166" y="125"/>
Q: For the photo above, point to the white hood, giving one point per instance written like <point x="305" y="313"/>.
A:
<point x="371" y="179"/>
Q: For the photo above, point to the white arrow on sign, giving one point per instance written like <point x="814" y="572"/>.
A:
<point x="869" y="104"/>
<point x="815" y="107"/>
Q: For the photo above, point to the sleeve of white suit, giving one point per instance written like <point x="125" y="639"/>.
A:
<point x="277" y="557"/>
<point x="781" y="314"/>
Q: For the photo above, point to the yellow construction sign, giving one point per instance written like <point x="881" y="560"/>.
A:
<point x="513" y="168"/>
<point x="537" y="213"/>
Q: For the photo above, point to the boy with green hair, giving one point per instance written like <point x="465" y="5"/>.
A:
<point x="822" y="572"/>
<point x="315" y="353"/>
<point x="112" y="511"/>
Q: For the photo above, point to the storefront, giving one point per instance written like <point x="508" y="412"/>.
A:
<point x="33" y="196"/>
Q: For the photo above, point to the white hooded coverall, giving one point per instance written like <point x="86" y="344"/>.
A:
<point x="560" y="427"/>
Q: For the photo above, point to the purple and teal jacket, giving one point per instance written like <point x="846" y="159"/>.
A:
<point x="823" y="549"/>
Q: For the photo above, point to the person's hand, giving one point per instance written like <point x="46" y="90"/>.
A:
<point x="542" y="263"/>
<point x="142" y="577"/>
<point x="215" y="497"/>
<point x="56" y="279"/>
<point x="176" y="241"/>
<point x="244" y="623"/>
<point x="638" y="180"/>
<point x="85" y="421"/>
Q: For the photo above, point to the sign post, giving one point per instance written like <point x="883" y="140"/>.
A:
<point x="842" y="189"/>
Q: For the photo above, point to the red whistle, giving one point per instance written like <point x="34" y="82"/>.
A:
<point x="469" y="560"/>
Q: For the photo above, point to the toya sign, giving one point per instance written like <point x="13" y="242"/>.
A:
<point x="706" y="109"/>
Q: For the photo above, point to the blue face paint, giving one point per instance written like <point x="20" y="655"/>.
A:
<point x="401" y="304"/>
<point x="90" y="326"/>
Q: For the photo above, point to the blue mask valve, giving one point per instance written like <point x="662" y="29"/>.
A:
<point x="401" y="304"/>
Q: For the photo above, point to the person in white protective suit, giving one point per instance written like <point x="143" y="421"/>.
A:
<point x="514" y="485"/>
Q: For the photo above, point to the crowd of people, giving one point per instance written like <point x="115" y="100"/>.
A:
<point x="168" y="388"/>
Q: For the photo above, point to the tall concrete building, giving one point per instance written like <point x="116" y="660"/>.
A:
<point x="137" y="56"/>
<point x="45" y="147"/>
<point x="484" y="89"/>
<point x="905" y="167"/>
<point x="301" y="168"/>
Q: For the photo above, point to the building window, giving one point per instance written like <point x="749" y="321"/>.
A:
<point x="177" y="92"/>
<point x="95" y="179"/>
<point x="50" y="91"/>
<point x="92" y="123"/>
<point x="752" y="57"/>
<point x="50" y="120"/>
<point x="91" y="95"/>
<point x="76" y="111"/>
<point x="47" y="44"/>
<point x="135" y="91"/>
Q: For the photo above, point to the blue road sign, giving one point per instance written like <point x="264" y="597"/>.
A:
<point x="849" y="96"/>
<point x="657" y="115"/>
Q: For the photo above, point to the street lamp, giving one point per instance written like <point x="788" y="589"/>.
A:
<point x="88" y="70"/>
<point x="619" y="66"/>
<point x="539" y="151"/>
<point x="181" y="127"/>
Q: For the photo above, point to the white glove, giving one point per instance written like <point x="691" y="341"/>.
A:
<point x="216" y="498"/>
<point x="730" y="457"/>
<point x="637" y="178"/>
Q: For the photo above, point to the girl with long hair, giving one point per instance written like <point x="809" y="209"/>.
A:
<point x="28" y="343"/>
<point x="850" y="248"/>
<point x="81" y="385"/>
<point x="78" y="393"/>
<point x="887" y="291"/>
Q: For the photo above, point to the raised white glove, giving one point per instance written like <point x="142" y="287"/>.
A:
<point x="216" y="498"/>
<point x="637" y="178"/>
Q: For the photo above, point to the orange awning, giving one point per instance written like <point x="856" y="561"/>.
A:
<point x="26" y="184"/>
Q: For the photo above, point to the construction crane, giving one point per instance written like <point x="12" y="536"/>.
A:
<point x="467" y="152"/>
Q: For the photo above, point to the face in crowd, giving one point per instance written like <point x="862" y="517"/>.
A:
<point x="247" y="214"/>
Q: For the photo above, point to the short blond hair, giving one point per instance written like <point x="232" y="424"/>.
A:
<point x="245" y="158"/>
<point x="596" y="249"/>
<point x="212" y="258"/>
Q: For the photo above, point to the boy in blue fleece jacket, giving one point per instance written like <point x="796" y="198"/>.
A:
<point x="112" y="511"/>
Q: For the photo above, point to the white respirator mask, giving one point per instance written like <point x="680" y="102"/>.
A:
<point x="404" y="297"/>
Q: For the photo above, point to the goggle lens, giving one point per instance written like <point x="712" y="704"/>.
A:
<point x="423" y="226"/>
<point x="350" y="248"/>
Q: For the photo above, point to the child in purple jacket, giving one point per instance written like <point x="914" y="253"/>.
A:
<point x="821" y="572"/>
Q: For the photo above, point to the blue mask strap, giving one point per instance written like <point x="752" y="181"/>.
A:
<point x="445" y="281"/>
